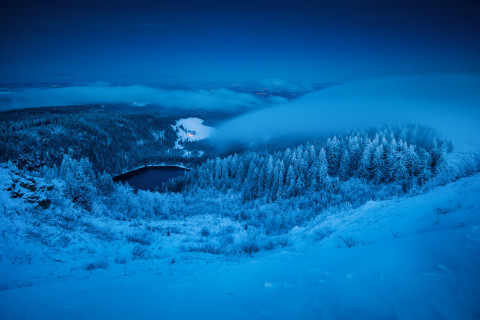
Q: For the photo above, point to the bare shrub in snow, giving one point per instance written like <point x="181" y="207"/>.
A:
<point x="121" y="260"/>
<point x="99" y="264"/>
<point x="139" y="252"/>
<point x="142" y="238"/>
<point x="99" y="231"/>
<point x="205" y="232"/>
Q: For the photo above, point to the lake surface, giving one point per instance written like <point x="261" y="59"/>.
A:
<point x="149" y="178"/>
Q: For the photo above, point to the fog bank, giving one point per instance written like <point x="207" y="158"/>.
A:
<point x="449" y="103"/>
<point x="135" y="94"/>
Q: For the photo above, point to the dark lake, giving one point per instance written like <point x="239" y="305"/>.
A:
<point x="148" y="178"/>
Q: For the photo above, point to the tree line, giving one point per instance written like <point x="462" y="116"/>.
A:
<point x="378" y="157"/>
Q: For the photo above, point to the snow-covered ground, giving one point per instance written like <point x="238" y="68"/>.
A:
<point x="191" y="129"/>
<point x="411" y="258"/>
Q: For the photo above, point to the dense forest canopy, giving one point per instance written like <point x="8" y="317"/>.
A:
<point x="114" y="138"/>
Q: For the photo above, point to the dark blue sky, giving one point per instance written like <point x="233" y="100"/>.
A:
<point x="318" y="41"/>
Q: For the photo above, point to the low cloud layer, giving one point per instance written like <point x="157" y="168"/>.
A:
<point x="277" y="85"/>
<point x="449" y="103"/>
<point x="141" y="95"/>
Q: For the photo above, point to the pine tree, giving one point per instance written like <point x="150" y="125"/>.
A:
<point x="218" y="168"/>
<point x="354" y="152"/>
<point x="290" y="182"/>
<point x="344" y="170"/>
<point x="287" y="157"/>
<point x="269" y="174"/>
<point x="322" y="167"/>
<point x="365" y="162"/>
<point x="261" y="179"/>
<point x="378" y="164"/>
<point x="439" y="155"/>
<point x="299" y="186"/>
<point x="312" y="156"/>
<point x="86" y="169"/>
<point x="79" y="178"/>
<point x="333" y="155"/>
<point x="250" y="184"/>
<point x="412" y="161"/>
<point x="425" y="172"/>
<point x="225" y="168"/>
<point x="391" y="159"/>
<point x="105" y="184"/>
<point x="274" y="189"/>
<point x="280" y="181"/>
<point x="240" y="175"/>
<point x="399" y="170"/>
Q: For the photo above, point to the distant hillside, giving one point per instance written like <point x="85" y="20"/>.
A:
<point x="114" y="137"/>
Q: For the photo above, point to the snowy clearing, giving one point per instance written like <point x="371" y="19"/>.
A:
<point x="191" y="129"/>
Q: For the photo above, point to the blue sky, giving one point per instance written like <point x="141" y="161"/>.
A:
<point x="320" y="41"/>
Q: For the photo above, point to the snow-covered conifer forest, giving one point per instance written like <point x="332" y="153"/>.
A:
<point x="248" y="159"/>
<point x="357" y="194"/>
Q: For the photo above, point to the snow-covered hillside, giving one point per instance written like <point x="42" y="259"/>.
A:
<point x="410" y="258"/>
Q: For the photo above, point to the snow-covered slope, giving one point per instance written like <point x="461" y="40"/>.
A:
<point x="413" y="258"/>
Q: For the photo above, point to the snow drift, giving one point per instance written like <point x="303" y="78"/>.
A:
<point x="450" y="103"/>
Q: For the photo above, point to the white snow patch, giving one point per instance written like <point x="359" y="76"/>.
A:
<point x="191" y="129"/>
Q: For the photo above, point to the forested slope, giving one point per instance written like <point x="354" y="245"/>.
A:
<point x="114" y="138"/>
